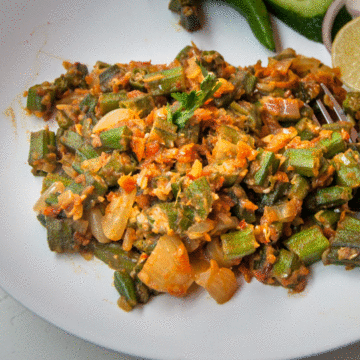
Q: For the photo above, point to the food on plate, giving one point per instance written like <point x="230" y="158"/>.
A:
<point x="197" y="172"/>
<point x="345" y="53"/>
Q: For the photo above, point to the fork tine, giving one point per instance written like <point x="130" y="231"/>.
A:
<point x="338" y="109"/>
<point x="339" y="112"/>
<point x="322" y="107"/>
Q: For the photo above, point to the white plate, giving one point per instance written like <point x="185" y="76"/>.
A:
<point x="260" y="322"/>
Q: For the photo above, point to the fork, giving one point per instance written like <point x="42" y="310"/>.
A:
<point x="338" y="110"/>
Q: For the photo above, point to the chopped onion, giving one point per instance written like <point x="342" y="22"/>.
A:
<point x="114" y="119"/>
<point x="220" y="283"/>
<point x="198" y="229"/>
<point x="168" y="268"/>
<point x="40" y="205"/>
<point x="117" y="214"/>
<point x="95" y="221"/>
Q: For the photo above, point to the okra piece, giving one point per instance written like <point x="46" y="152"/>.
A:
<point x="327" y="218"/>
<point x="86" y="151"/>
<point x="188" y="135"/>
<point x="119" y="164"/>
<point x="137" y="78"/>
<point x="200" y="197"/>
<point x="186" y="218"/>
<point x="351" y="104"/>
<point x="332" y="146"/>
<point x="244" y="83"/>
<point x="213" y="61"/>
<point x="164" y="132"/>
<point x="72" y="140"/>
<point x="166" y="81"/>
<point x="308" y="244"/>
<point x="60" y="235"/>
<point x="342" y="256"/>
<point x="329" y="197"/>
<point x="125" y="286"/>
<point x="63" y="120"/>
<point x="267" y="162"/>
<point x="51" y="178"/>
<point x="73" y="78"/>
<point x="305" y="162"/>
<point x="189" y="18"/>
<point x="41" y="98"/>
<point x="286" y="262"/>
<point x="42" y="153"/>
<point x="142" y="291"/>
<point x="184" y="53"/>
<point x="224" y="150"/>
<point x="272" y="197"/>
<point x="167" y="212"/>
<point x="110" y="101"/>
<point x="88" y="105"/>
<point x="238" y="244"/>
<point x="238" y="195"/>
<point x="117" y="138"/>
<point x="299" y="187"/>
<point x="338" y="126"/>
<point x="347" y="167"/>
<point x="146" y="245"/>
<point x="249" y="113"/>
<point x="99" y="189"/>
<point x="142" y="104"/>
<point x="307" y="129"/>
<point x="229" y="133"/>
<point x="347" y="233"/>
<point x="113" y="255"/>
<point x="345" y="246"/>
<point x="107" y="75"/>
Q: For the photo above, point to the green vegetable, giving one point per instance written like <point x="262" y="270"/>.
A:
<point x="305" y="162"/>
<point x="306" y="16"/>
<point x="189" y="18"/>
<point x="329" y="197"/>
<point x="125" y="285"/>
<point x="308" y="244"/>
<point x="40" y="98"/>
<point x="267" y="162"/>
<point x="332" y="146"/>
<point x="238" y="244"/>
<point x="347" y="169"/>
<point x="42" y="153"/>
<point x="166" y="81"/>
<point x="117" y="138"/>
<point x="285" y="264"/>
<point x="258" y="18"/>
<point x="351" y="104"/>
<point x="163" y="131"/>
<point x="114" y="255"/>
<point x="200" y="197"/>
<point x="192" y="101"/>
<point x="107" y="75"/>
<point x="60" y="235"/>
<point x="345" y="246"/>
<point x="110" y="101"/>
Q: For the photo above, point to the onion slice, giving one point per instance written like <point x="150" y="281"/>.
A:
<point x="117" y="214"/>
<point x="168" y="268"/>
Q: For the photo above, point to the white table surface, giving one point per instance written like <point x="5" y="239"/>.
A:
<point x="26" y="336"/>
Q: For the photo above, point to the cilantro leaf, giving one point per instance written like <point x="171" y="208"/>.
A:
<point x="192" y="101"/>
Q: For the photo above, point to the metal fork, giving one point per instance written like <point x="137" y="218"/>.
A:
<point x="338" y="110"/>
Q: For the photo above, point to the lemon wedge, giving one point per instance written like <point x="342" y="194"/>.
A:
<point x="345" y="53"/>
